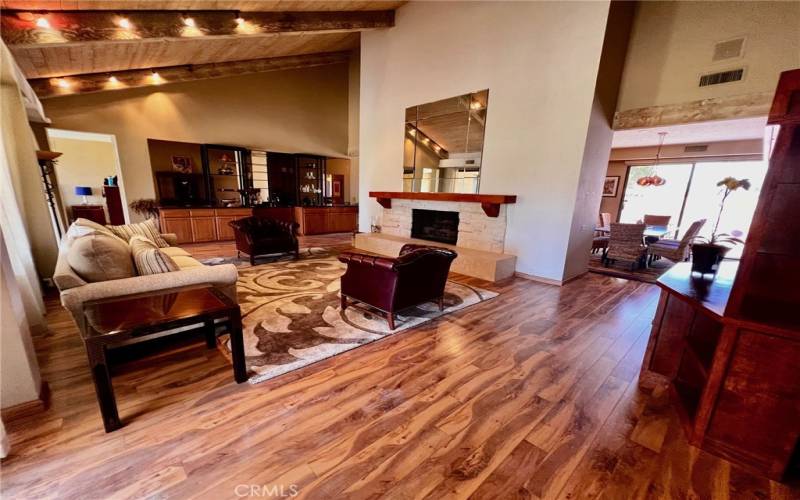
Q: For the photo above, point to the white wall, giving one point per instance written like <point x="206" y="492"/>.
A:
<point x="672" y="44"/>
<point x="20" y="380"/>
<point x="539" y="61"/>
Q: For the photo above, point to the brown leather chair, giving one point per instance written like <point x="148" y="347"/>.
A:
<point x="261" y="236"/>
<point x="418" y="275"/>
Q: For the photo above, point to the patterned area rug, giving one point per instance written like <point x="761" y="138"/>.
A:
<point x="291" y="314"/>
<point x="623" y="269"/>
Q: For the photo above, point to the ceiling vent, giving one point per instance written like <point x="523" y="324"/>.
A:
<point x="729" y="49"/>
<point x="733" y="75"/>
<point x="697" y="148"/>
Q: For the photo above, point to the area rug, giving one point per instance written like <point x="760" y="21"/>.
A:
<point x="291" y="314"/>
<point x="623" y="269"/>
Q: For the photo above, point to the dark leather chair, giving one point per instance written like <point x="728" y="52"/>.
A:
<point x="261" y="236"/>
<point x="418" y="275"/>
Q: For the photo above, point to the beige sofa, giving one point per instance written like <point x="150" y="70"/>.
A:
<point x="75" y="290"/>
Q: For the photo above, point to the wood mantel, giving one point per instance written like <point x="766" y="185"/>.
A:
<point x="489" y="202"/>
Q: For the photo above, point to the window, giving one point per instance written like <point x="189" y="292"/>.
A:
<point x="691" y="193"/>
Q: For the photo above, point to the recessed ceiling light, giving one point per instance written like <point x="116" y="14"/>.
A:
<point x="124" y="23"/>
<point x="64" y="84"/>
<point x="188" y="21"/>
<point x="240" y="21"/>
<point x="113" y="79"/>
<point x="42" y="22"/>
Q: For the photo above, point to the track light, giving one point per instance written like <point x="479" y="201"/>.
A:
<point x="42" y="22"/>
<point x="124" y="23"/>
<point x="64" y="84"/>
<point x="113" y="79"/>
<point x="188" y="21"/>
<point x="156" y="77"/>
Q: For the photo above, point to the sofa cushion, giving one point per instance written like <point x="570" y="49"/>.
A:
<point x="149" y="259"/>
<point x="186" y="262"/>
<point x="100" y="257"/>
<point x="176" y="251"/>
<point x="148" y="229"/>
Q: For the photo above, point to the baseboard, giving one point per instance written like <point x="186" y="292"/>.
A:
<point x="548" y="281"/>
<point x="28" y="408"/>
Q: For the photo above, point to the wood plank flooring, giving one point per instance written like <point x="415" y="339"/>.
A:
<point x="529" y="395"/>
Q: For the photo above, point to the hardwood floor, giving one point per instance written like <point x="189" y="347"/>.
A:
<point x="529" y="395"/>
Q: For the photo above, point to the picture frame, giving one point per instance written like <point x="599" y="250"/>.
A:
<point x="182" y="164"/>
<point x="611" y="186"/>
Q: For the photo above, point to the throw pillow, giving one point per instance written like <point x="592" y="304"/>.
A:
<point x="149" y="259"/>
<point x="100" y="257"/>
<point x="148" y="229"/>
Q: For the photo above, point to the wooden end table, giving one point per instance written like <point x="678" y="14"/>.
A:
<point x="109" y="323"/>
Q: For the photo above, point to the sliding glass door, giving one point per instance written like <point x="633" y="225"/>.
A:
<point x="666" y="199"/>
<point x="691" y="193"/>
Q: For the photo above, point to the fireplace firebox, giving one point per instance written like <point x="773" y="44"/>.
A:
<point x="434" y="225"/>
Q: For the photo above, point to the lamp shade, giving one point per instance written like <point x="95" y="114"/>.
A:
<point x="83" y="190"/>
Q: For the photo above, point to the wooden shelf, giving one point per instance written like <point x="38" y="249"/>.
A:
<point x="489" y="202"/>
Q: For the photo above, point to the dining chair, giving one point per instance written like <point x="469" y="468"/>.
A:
<point x="605" y="219"/>
<point x="675" y="250"/>
<point x="625" y="243"/>
<point x="656" y="220"/>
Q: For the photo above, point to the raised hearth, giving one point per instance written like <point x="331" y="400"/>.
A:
<point x="489" y="266"/>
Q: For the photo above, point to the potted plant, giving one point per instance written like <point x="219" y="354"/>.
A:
<point x="146" y="207"/>
<point x="707" y="253"/>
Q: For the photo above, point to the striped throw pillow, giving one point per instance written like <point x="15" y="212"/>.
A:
<point x="148" y="259"/>
<point x="148" y="229"/>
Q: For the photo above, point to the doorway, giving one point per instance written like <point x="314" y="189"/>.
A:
<point x="89" y="164"/>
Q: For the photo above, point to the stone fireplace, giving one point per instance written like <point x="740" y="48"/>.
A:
<point x="473" y="224"/>
<point x="434" y="225"/>
<point x="475" y="229"/>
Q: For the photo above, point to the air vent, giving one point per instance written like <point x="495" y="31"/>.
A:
<point x="729" y="49"/>
<point x="698" y="148"/>
<point x="733" y="75"/>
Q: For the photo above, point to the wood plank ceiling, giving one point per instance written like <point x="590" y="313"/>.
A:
<point x="69" y="46"/>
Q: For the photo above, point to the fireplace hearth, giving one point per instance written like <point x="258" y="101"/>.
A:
<point x="434" y="225"/>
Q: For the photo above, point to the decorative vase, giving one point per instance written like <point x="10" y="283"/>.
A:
<point x="706" y="257"/>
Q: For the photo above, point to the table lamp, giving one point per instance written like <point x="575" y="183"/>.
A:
<point x="83" y="191"/>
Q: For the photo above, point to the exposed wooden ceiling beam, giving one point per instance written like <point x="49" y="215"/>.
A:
<point x="28" y="28"/>
<point x="101" y="82"/>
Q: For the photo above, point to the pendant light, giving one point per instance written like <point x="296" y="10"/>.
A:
<point x="655" y="179"/>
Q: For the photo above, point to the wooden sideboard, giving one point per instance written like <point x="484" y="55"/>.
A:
<point x="197" y="225"/>
<point x="324" y="220"/>
<point x="734" y="383"/>
<point x="729" y="348"/>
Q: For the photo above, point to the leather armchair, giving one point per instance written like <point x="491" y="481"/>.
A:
<point x="389" y="284"/>
<point x="261" y="236"/>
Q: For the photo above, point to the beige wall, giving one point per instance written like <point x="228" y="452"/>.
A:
<point x="622" y="157"/>
<point x="672" y="45"/>
<point x="541" y="96"/>
<point x="304" y="110"/>
<point x="611" y="205"/>
<point x="353" y="102"/>
<point x="83" y="163"/>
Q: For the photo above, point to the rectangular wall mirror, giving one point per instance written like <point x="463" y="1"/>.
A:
<point x="443" y="144"/>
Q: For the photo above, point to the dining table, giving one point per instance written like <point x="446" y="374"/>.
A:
<point x="657" y="231"/>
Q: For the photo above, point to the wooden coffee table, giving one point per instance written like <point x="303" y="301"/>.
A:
<point x="109" y="323"/>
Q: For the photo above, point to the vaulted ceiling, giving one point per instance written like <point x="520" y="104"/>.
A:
<point x="74" y="46"/>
